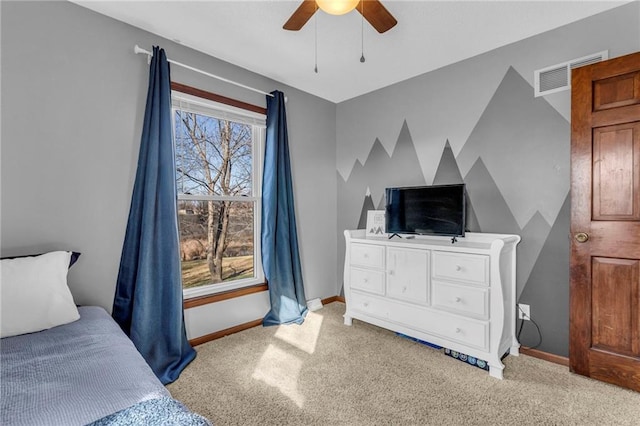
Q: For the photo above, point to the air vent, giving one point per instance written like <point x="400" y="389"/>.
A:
<point x="553" y="79"/>
<point x="557" y="78"/>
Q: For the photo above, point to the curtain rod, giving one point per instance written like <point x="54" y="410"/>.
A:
<point x="137" y="50"/>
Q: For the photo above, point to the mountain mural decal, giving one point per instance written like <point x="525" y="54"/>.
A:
<point x="494" y="216"/>
<point x="448" y="173"/>
<point x="382" y="170"/>
<point x="366" y="206"/>
<point x="548" y="285"/>
<point x="508" y="137"/>
<point x="364" y="189"/>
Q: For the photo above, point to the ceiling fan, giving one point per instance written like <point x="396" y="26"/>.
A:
<point x="372" y="10"/>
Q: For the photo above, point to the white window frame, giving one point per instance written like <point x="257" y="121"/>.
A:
<point x="186" y="102"/>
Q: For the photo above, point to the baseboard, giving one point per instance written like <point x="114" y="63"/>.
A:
<point x="556" y="359"/>
<point x="227" y="331"/>
<point x="247" y="325"/>
<point x="332" y="299"/>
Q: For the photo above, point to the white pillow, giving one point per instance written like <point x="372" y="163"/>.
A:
<point x="34" y="293"/>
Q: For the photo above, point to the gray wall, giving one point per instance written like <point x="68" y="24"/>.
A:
<point x="478" y="122"/>
<point x="73" y="95"/>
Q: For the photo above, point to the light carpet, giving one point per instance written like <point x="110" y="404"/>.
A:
<point x="325" y="373"/>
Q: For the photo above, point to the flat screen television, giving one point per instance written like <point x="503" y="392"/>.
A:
<point x="426" y="210"/>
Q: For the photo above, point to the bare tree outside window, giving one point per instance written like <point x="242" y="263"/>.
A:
<point x="214" y="169"/>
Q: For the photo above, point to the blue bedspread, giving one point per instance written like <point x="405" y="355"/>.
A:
<point x="154" y="412"/>
<point x="74" y="374"/>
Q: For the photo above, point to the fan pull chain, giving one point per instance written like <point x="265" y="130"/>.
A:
<point x="315" y="24"/>
<point x="362" y="59"/>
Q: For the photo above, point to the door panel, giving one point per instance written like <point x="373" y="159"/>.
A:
<point x="616" y="172"/>
<point x="604" y="337"/>
<point x="615" y="305"/>
<point x="617" y="91"/>
<point x="626" y="372"/>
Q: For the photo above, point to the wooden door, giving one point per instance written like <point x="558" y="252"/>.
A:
<point x="605" y="221"/>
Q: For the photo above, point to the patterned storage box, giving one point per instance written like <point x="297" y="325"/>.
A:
<point x="468" y="359"/>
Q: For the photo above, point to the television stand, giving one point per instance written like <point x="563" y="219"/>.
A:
<point x="461" y="297"/>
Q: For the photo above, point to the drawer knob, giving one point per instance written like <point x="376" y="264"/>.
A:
<point x="366" y="280"/>
<point x="391" y="272"/>
<point x="366" y="255"/>
<point x="457" y="299"/>
<point x="404" y="289"/>
<point x="458" y="330"/>
<point x="458" y="268"/>
<point x="365" y="304"/>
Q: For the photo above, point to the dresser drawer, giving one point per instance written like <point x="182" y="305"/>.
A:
<point x="471" y="268"/>
<point x="367" y="255"/>
<point x="468" y="332"/>
<point x="369" y="305"/>
<point x="452" y="327"/>
<point x="367" y="280"/>
<point x="462" y="299"/>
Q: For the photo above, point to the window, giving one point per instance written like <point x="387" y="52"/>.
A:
<point x="218" y="152"/>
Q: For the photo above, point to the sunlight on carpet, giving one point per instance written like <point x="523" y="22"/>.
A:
<point x="304" y="338"/>
<point x="280" y="370"/>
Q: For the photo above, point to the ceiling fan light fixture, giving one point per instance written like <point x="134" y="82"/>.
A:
<point x="337" y="7"/>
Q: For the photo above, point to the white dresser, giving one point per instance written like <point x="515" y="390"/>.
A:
<point x="461" y="296"/>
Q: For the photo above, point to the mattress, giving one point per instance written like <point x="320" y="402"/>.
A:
<point x="73" y="374"/>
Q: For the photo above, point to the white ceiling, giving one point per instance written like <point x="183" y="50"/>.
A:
<point x="429" y="35"/>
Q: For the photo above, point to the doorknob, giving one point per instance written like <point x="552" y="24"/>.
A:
<point x="582" y="237"/>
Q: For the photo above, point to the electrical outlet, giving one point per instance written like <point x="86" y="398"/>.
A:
<point x="524" y="312"/>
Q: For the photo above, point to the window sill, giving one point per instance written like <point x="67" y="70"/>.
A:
<point x="192" y="302"/>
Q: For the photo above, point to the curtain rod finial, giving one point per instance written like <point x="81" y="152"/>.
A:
<point x="137" y="50"/>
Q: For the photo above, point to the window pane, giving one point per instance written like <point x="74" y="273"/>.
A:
<point x="216" y="241"/>
<point x="213" y="156"/>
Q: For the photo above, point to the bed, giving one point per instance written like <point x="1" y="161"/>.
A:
<point x="85" y="371"/>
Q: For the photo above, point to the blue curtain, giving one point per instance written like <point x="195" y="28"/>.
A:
<point x="280" y="253"/>
<point x="148" y="299"/>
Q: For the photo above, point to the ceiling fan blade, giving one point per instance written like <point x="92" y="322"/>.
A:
<point x="377" y="15"/>
<point x="303" y="13"/>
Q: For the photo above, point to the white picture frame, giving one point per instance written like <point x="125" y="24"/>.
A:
<point x="375" y="223"/>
